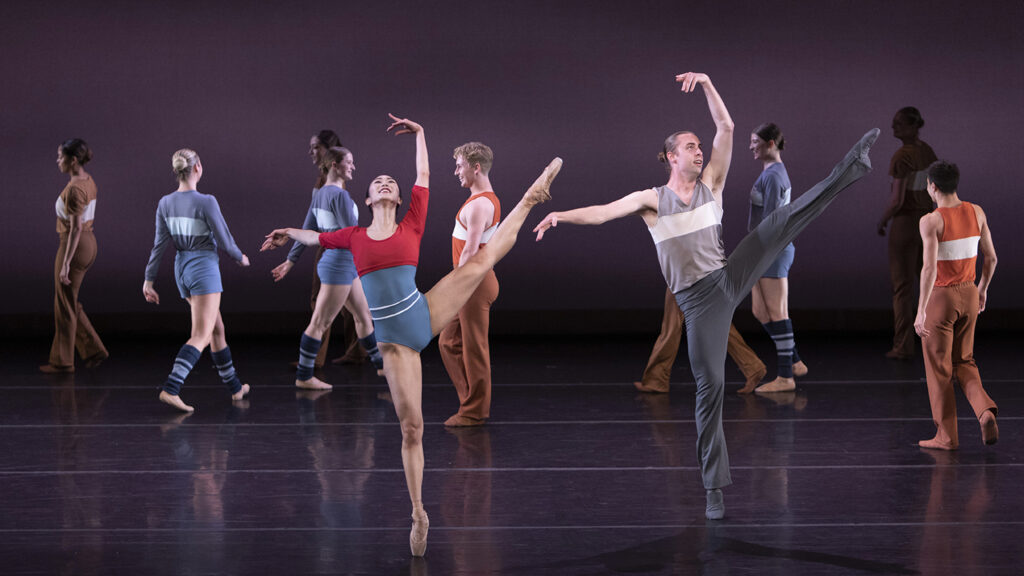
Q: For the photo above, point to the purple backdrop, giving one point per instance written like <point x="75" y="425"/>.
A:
<point x="246" y="84"/>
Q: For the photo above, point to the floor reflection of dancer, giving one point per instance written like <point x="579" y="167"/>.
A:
<point x="386" y="255"/>
<point x="684" y="218"/>
<point x="76" y="252"/>
<point x="194" y="224"/>
<point x="950" y="303"/>
<point x="331" y="209"/>
<point x="770" y="294"/>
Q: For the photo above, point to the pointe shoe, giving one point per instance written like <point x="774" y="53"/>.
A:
<point x="859" y="152"/>
<point x="418" y="535"/>
<point x="51" y="369"/>
<point x="242" y="393"/>
<point x="648" y="389"/>
<point x="460" y="421"/>
<point x="780" y="384"/>
<point x="313" y="383"/>
<point x="800" y="369"/>
<point x="989" y="429"/>
<point x="937" y="444"/>
<point x="716" y="505"/>
<point x="539" y="192"/>
<point x="753" y="381"/>
<point x="175" y="401"/>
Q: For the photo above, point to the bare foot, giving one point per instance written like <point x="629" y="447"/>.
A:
<point x="241" y="393"/>
<point x="459" y="421"/>
<point x="313" y="383"/>
<point x="937" y="444"/>
<point x="650" y="389"/>
<point x="752" y="382"/>
<point x="175" y="400"/>
<point x="800" y="369"/>
<point x="418" y="535"/>
<point x="780" y="384"/>
<point x="989" y="429"/>
<point x="540" y="192"/>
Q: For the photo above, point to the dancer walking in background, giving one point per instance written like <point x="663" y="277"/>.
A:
<point x="770" y="294"/>
<point x="76" y="252"/>
<point x="406" y="320"/>
<point x="908" y="202"/>
<point x="193" y="223"/>
<point x="684" y="218"/>
<point x="331" y="209"/>
<point x="950" y="304"/>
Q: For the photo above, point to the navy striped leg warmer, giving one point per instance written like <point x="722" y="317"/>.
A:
<point x="183" y="364"/>
<point x="782" y="334"/>
<point x="369" y="342"/>
<point x="308" y="349"/>
<point x="226" y="369"/>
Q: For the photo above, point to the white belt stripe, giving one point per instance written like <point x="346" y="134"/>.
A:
<point x="961" y="249"/>
<point x="325" y="220"/>
<point x="682" y="223"/>
<point x="461" y="233"/>
<point x="395" y="304"/>
<point x="182" y="226"/>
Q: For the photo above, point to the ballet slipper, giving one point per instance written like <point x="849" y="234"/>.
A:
<point x="313" y="383"/>
<point x="780" y="384"/>
<point x="540" y="191"/>
<point x="51" y="369"/>
<point x="989" y="429"/>
<point x="800" y="369"/>
<point x="460" y="421"/>
<point x="175" y="401"/>
<point x="937" y="444"/>
<point x="650" y="389"/>
<point x="715" y="505"/>
<point x="418" y="534"/>
<point x="753" y="381"/>
<point x="242" y="393"/>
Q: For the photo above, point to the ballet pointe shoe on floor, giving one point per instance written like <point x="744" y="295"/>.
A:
<point x="937" y="444"/>
<point x="418" y="535"/>
<point x="716" y="505"/>
<point x="989" y="429"/>
<point x="460" y="421"/>
<point x="242" y="393"/>
<point x="313" y="383"/>
<point x="175" y="401"/>
<point x="800" y="369"/>
<point x="753" y="381"/>
<point x="648" y="389"/>
<point x="540" y="191"/>
<point x="780" y="384"/>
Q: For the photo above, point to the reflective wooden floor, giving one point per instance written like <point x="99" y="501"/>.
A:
<point x="575" y="474"/>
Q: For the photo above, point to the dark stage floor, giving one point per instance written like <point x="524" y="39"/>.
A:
<point x="575" y="474"/>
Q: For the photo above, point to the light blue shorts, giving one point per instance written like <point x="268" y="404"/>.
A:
<point x="336" y="267"/>
<point x="197" y="272"/>
<point x="780" y="267"/>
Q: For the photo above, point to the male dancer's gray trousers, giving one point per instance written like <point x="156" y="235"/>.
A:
<point x="709" y="303"/>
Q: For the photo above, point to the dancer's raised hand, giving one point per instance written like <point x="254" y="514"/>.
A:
<point x="403" y="125"/>
<point x="690" y="80"/>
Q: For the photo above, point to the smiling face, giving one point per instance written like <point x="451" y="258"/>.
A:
<point x="346" y="167"/>
<point x="383" y="188"/>
<point x="464" y="172"/>
<point x="687" y="157"/>
<point x="762" y="150"/>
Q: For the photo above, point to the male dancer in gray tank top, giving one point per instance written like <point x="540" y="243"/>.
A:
<point x="684" y="218"/>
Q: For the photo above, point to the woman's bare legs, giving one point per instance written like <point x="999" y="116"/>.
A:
<point x="328" y="303"/>
<point x="205" y="309"/>
<point x="218" y="342"/>
<point x="450" y="293"/>
<point x="357" y="305"/>
<point x="770" y="299"/>
<point x="404" y="374"/>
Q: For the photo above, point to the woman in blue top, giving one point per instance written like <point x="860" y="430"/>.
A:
<point x="193" y="222"/>
<point x="770" y="295"/>
<point x="331" y="209"/>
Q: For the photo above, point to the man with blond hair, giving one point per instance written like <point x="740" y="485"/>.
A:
<point x="464" y="346"/>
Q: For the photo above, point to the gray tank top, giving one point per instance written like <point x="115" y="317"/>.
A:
<point x="688" y="237"/>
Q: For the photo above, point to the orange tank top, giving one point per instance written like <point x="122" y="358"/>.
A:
<point x="460" y="233"/>
<point x="958" y="245"/>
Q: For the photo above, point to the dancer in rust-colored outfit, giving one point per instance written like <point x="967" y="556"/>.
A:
<point x="950" y="303"/>
<point x="76" y="209"/>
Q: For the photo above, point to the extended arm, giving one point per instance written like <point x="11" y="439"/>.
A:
<point x="930" y="238"/>
<point x="406" y="126"/>
<point x="478" y="215"/>
<point x="223" y="235"/>
<point x="643" y="202"/>
<point x="160" y="241"/>
<point x="717" y="168"/>
<point x="988" y="263"/>
<point x="278" y="238"/>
